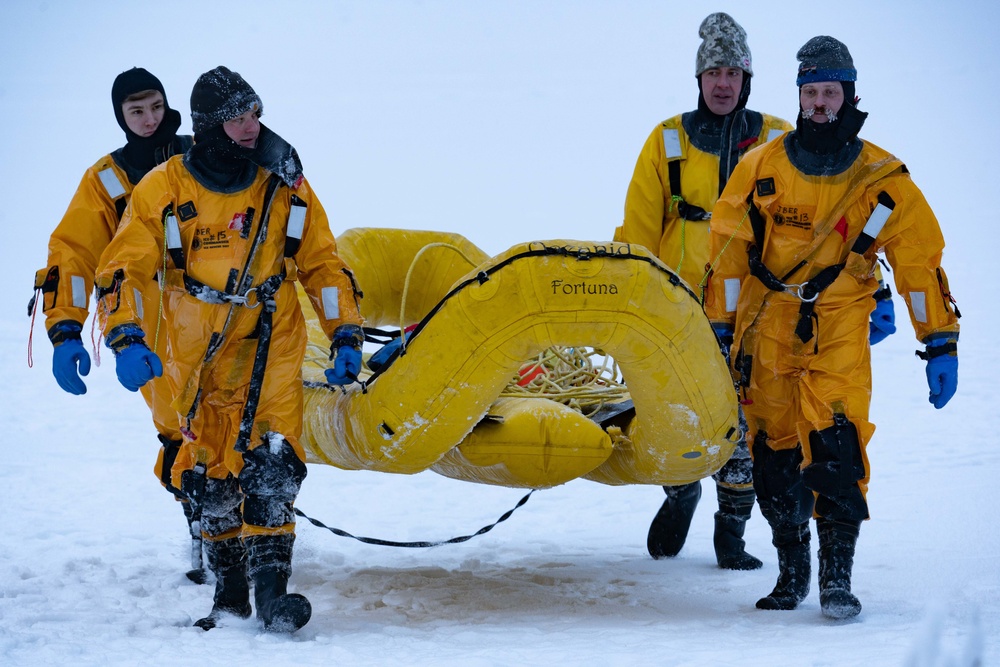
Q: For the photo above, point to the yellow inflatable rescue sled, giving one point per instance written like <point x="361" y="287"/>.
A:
<point x="478" y="322"/>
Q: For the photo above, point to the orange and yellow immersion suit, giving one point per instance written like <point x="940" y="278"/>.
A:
<point x="804" y="366"/>
<point x="75" y="247"/>
<point x="209" y="247"/>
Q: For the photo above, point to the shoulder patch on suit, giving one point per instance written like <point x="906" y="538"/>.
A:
<point x="765" y="187"/>
<point x="186" y="211"/>
<point x="672" y="143"/>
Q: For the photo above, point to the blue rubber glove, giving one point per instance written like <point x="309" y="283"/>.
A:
<point x="345" y="350"/>
<point x="942" y="369"/>
<point x="883" y="321"/>
<point x="724" y="332"/>
<point x="135" y="363"/>
<point x="67" y="357"/>
<point x="346" y="366"/>
<point x="379" y="359"/>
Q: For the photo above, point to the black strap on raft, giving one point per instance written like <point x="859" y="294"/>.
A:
<point x="421" y="544"/>
<point x="684" y="209"/>
<point x="537" y="249"/>
<point x="810" y="290"/>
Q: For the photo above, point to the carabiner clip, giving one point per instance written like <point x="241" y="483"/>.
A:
<point x="796" y="290"/>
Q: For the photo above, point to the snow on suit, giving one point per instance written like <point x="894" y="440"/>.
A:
<point x="210" y="345"/>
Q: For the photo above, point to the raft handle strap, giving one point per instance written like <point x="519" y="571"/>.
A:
<point x="420" y="544"/>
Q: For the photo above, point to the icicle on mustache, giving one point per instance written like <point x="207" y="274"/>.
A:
<point x="830" y="114"/>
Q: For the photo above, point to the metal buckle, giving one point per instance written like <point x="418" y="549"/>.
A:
<point x="247" y="303"/>
<point x="796" y="291"/>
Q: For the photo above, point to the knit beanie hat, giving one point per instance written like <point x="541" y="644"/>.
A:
<point x="130" y="82"/>
<point x="724" y="44"/>
<point x="220" y="95"/>
<point x="824" y="58"/>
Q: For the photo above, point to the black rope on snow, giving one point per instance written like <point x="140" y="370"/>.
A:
<point x="416" y="545"/>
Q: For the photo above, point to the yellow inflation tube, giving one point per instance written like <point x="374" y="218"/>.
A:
<point x="480" y="319"/>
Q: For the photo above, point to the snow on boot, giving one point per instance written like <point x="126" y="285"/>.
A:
<point x="270" y="565"/>
<point x="794" y="569"/>
<point x="228" y="561"/>
<point x="670" y="526"/>
<point x="837" y="540"/>
<point x="735" y="506"/>
<point x="197" y="572"/>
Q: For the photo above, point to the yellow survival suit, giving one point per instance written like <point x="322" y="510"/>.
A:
<point x="681" y="170"/>
<point x="90" y="222"/>
<point x="210" y="345"/>
<point x="804" y="366"/>
<point x="674" y="177"/>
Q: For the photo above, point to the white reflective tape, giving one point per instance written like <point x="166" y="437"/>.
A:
<point x="331" y="303"/>
<point x="732" y="293"/>
<point x="173" y="232"/>
<point x="918" y="304"/>
<point x="672" y="143"/>
<point x="877" y="220"/>
<point x="79" y="289"/>
<point x="773" y="133"/>
<point x="137" y="295"/>
<point x="296" y="221"/>
<point x="111" y="183"/>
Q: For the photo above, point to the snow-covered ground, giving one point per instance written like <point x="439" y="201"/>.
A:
<point x="507" y="122"/>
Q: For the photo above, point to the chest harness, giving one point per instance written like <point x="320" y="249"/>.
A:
<point x="686" y="211"/>
<point x="809" y="291"/>
<point x="240" y="292"/>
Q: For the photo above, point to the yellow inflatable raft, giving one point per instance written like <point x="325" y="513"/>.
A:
<point x="478" y="320"/>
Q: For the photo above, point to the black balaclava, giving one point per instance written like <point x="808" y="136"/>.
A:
<point x="217" y="161"/>
<point x="143" y="153"/>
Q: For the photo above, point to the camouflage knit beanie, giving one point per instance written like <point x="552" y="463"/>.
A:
<point x="824" y="58"/>
<point x="724" y="44"/>
<point x="220" y="95"/>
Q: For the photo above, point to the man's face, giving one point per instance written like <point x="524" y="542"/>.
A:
<point x="244" y="128"/>
<point x="720" y="86"/>
<point x="821" y="101"/>
<point x="143" y="112"/>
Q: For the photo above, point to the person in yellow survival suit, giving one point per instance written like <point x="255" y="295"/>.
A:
<point x="237" y="223"/>
<point x="681" y="170"/>
<point x="150" y="126"/>
<point x="794" y="235"/>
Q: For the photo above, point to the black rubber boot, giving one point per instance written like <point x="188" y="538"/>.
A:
<point x="837" y="540"/>
<point x="228" y="561"/>
<point x="794" y="569"/>
<point x="270" y="565"/>
<point x="197" y="571"/>
<point x="735" y="506"/>
<point x="670" y="526"/>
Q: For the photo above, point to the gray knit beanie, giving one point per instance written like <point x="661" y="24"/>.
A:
<point x="824" y="58"/>
<point x="724" y="44"/>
